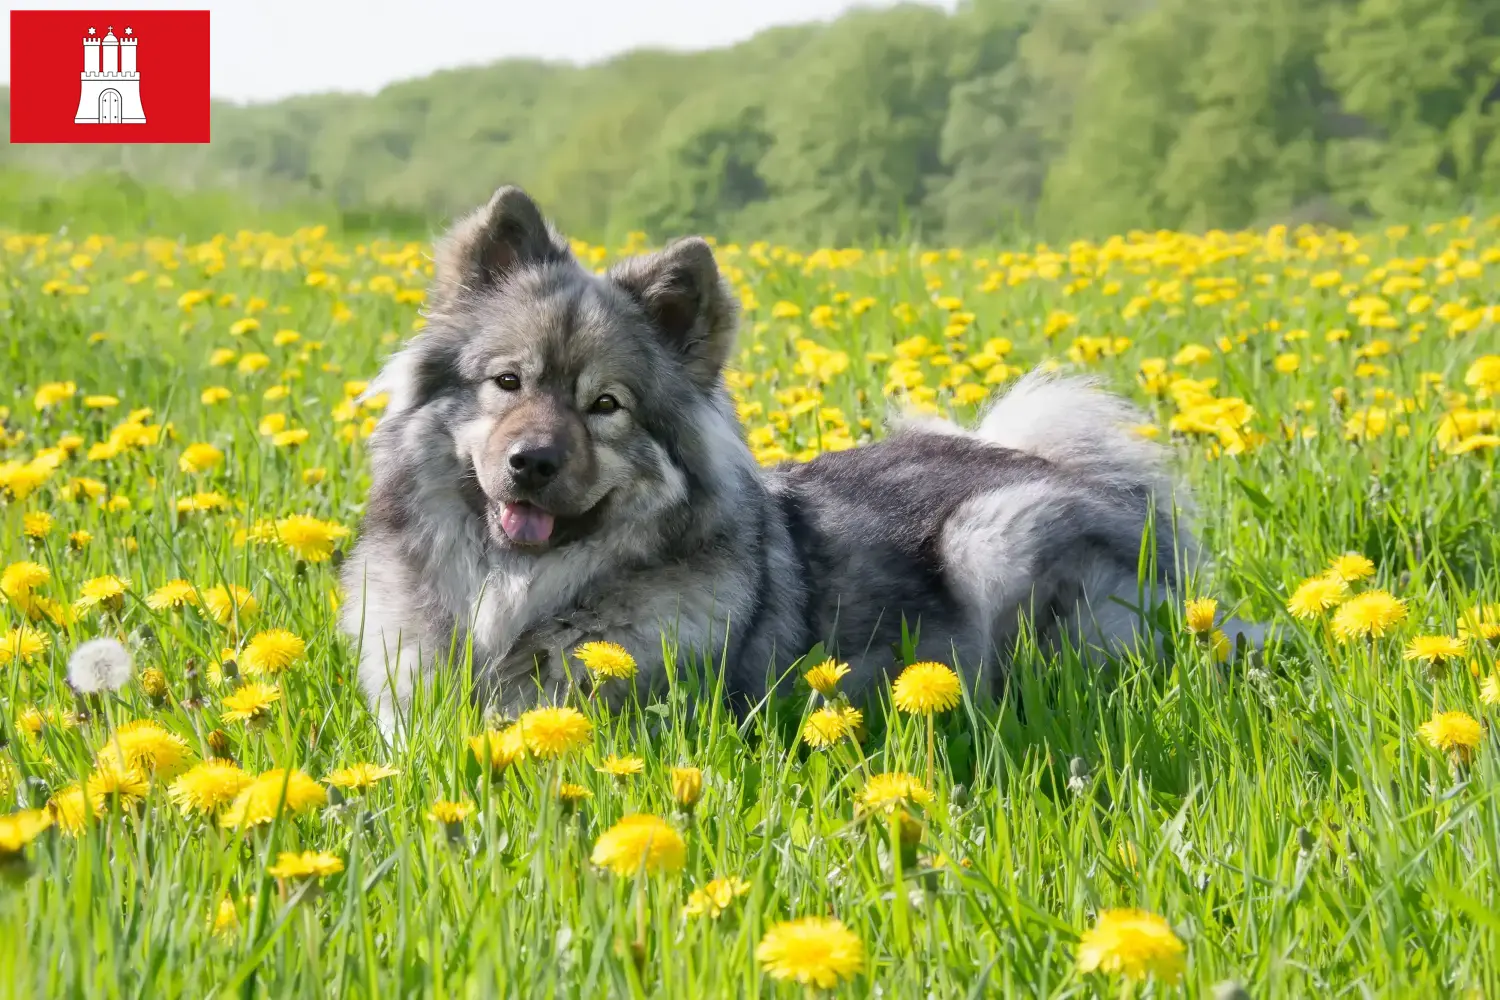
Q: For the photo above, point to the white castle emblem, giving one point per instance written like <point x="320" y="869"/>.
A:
<point x="111" y="91"/>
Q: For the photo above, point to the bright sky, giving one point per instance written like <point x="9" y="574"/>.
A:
<point x="267" y="49"/>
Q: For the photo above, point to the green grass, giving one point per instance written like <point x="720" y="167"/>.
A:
<point x="1286" y="818"/>
<point x="117" y="202"/>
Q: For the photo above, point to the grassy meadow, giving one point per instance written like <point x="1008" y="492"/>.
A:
<point x="181" y="467"/>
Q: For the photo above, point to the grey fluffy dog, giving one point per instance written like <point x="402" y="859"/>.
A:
<point x="560" y="462"/>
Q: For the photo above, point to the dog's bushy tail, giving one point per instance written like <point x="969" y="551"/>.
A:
<point x="1073" y="422"/>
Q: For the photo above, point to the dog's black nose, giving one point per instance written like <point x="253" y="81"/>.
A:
<point x="533" y="466"/>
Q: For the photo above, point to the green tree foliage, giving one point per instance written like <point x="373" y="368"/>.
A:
<point x="1424" y="76"/>
<point x="855" y="130"/>
<point x="1058" y="117"/>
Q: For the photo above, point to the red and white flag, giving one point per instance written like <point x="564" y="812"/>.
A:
<point x="109" y="76"/>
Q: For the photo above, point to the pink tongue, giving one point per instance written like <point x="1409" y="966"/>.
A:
<point x="524" y="523"/>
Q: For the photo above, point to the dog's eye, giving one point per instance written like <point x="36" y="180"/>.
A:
<point x="509" y="381"/>
<point x="605" y="404"/>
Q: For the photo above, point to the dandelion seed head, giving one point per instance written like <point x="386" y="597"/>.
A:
<point x="99" y="665"/>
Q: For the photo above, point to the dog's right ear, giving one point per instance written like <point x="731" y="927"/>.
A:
<point x="490" y="243"/>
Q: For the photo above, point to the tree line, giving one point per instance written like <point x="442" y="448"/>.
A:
<point x="1004" y="117"/>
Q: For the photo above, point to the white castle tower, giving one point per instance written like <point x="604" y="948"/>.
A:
<point x="111" y="84"/>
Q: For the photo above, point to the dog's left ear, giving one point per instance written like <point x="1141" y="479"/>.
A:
<point x="688" y="302"/>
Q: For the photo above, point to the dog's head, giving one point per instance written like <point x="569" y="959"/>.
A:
<point x="566" y="394"/>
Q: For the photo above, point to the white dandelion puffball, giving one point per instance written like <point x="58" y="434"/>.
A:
<point x="99" y="665"/>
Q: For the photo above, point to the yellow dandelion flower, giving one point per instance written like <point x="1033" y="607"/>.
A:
<point x="307" y="865"/>
<point x="251" y="703"/>
<point x="271" y="652"/>
<point x="640" y="843"/>
<point x="1483" y="375"/>
<point x="813" y="951"/>
<point x="22" y="644"/>
<point x="71" y="809"/>
<point x="358" y="777"/>
<point x="572" y="794"/>
<point x="262" y="800"/>
<point x="450" y="813"/>
<point x="225" y="605"/>
<point x="1373" y="613"/>
<point x="1316" y="595"/>
<point x="855" y="720"/>
<point x="112" y="785"/>
<point x="1352" y="567"/>
<point x="925" y="688"/>
<point x="20" y="480"/>
<point x="497" y="749"/>
<point x="888" y="792"/>
<point x="1200" y="613"/>
<point x="1458" y="733"/>
<point x="208" y="787"/>
<point x="202" y="503"/>
<point x="214" y="395"/>
<point x="172" y="594"/>
<point x="200" y="457"/>
<point x="37" y="608"/>
<point x="147" y="747"/>
<point x="1434" y="648"/>
<point x="20" y="828"/>
<point x="716" y="897"/>
<point x="154" y="684"/>
<point x="1132" y="943"/>
<point x="226" y="919"/>
<point x="1480" y="623"/>
<point x="49" y="394"/>
<point x="687" y="786"/>
<point x="36" y="524"/>
<point x="106" y="591"/>
<point x="825" y="727"/>
<point x="309" y="538"/>
<point x="552" y="732"/>
<point x="606" y="659"/>
<point x="621" y="767"/>
<point x="1489" y="691"/>
<point x="81" y="488"/>
<point x="32" y="721"/>
<point x="21" y="578"/>
<point x="824" y="678"/>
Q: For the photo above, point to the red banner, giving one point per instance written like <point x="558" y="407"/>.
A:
<point x="109" y="76"/>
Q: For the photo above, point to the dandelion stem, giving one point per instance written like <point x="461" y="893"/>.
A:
<point x="931" y="752"/>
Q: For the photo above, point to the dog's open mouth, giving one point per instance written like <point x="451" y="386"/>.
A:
<point x="526" y="523"/>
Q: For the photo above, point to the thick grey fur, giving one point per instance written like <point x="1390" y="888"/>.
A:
<point x="666" y="525"/>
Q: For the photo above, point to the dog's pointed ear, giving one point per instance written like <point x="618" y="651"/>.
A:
<point x="689" y="303"/>
<point x="492" y="242"/>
